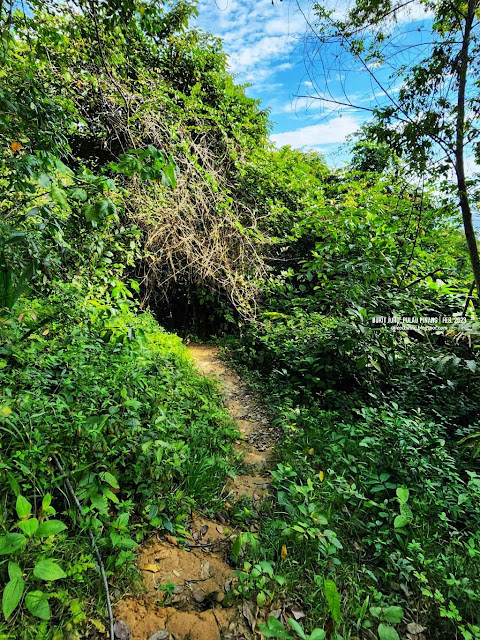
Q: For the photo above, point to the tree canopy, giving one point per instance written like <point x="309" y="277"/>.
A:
<point x="426" y="84"/>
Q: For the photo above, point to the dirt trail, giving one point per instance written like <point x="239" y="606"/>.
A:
<point x="186" y="586"/>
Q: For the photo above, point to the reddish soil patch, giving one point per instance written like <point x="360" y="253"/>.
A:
<point x="185" y="586"/>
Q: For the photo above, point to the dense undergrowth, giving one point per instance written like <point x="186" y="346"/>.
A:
<point x="134" y="171"/>
<point x="98" y="404"/>
<point x="96" y="399"/>
<point x="138" y="432"/>
<point x="376" y="488"/>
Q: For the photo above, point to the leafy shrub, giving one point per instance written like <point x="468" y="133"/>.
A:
<point x="381" y="503"/>
<point x="139" y="432"/>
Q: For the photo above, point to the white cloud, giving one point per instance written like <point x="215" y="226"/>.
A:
<point x="414" y="12"/>
<point x="334" y="131"/>
<point x="263" y="50"/>
<point x="281" y="27"/>
<point x="259" y="37"/>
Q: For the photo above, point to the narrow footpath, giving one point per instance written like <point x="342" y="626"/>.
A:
<point x="186" y="585"/>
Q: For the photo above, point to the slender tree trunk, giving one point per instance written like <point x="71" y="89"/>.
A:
<point x="460" y="144"/>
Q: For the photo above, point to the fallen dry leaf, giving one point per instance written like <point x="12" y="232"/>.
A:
<point x="297" y="614"/>
<point x="154" y="568"/>
<point x="415" y="628"/>
<point x="16" y="146"/>
<point x="247" y="611"/>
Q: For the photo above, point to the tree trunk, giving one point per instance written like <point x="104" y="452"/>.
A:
<point x="460" y="144"/>
<point x="469" y="230"/>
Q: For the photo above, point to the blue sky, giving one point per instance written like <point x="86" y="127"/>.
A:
<point x="266" y="47"/>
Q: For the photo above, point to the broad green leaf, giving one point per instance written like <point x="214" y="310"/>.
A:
<point x="50" y="528"/>
<point x="110" y="496"/>
<point x="11" y="543"/>
<point x="318" y="634"/>
<point x="37" y="603"/>
<point x="99" y="502"/>
<point x="25" y="277"/>
<point x="14" y="570"/>
<point x="90" y="212"/>
<point x="24" y="508"/>
<point x="333" y="599"/>
<point x="406" y="511"/>
<point x="79" y="194"/>
<point x="403" y="494"/>
<point x="386" y="632"/>
<point x="155" y="153"/>
<point x="400" y="521"/>
<point x="361" y="362"/>
<point x="47" y="501"/>
<point x="58" y="195"/>
<point x="261" y="598"/>
<point x="28" y="526"/>
<point x="48" y="570"/>
<point x="105" y="208"/>
<point x="13" y="482"/>
<point x="266" y="567"/>
<point x="169" y="174"/>
<point x="363" y="608"/>
<point x="472" y="365"/>
<point x="275" y="629"/>
<point x="123" y="519"/>
<point x="44" y="181"/>
<point x="297" y="628"/>
<point x="110" y="479"/>
<point x="14" y="237"/>
<point x="393" y="614"/>
<point x="63" y="167"/>
<point x="109" y="184"/>
<point x="237" y="547"/>
<point x="122" y="542"/>
<point x="12" y="594"/>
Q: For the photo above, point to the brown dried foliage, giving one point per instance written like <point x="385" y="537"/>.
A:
<point x="197" y="234"/>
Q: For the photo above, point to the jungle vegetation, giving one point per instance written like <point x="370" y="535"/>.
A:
<point x="140" y="194"/>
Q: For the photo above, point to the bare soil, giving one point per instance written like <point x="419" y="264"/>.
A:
<point x="186" y="587"/>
